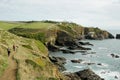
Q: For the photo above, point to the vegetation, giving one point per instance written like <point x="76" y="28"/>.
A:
<point x="8" y="25"/>
<point x="31" y="57"/>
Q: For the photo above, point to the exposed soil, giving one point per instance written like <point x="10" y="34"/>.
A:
<point x="10" y="72"/>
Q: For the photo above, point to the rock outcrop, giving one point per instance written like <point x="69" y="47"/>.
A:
<point x="97" y="34"/>
<point x="76" y="61"/>
<point x="59" y="62"/>
<point x="86" y="74"/>
<point x="117" y="36"/>
<point x="61" y="34"/>
<point x="34" y="54"/>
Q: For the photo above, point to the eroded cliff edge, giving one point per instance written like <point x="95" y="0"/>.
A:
<point x="32" y="56"/>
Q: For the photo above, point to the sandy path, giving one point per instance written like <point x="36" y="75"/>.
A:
<point x="10" y="72"/>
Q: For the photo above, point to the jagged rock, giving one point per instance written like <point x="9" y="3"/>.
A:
<point x="116" y="77"/>
<point x="59" y="62"/>
<point x="99" y="64"/>
<point x="115" y="56"/>
<point x="64" y="39"/>
<point x="117" y="36"/>
<point x="97" y="34"/>
<point x="76" y="61"/>
<point x="85" y="43"/>
<point x="53" y="48"/>
<point x="89" y="63"/>
<point x="86" y="74"/>
<point x="72" y="76"/>
<point x="78" y="48"/>
<point x="67" y="51"/>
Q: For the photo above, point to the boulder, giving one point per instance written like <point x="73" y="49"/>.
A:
<point x="115" y="56"/>
<point x="100" y="64"/>
<point x="52" y="47"/>
<point x="85" y="43"/>
<point x="86" y="74"/>
<point x="66" y="51"/>
<point x="89" y="63"/>
<point x="117" y="36"/>
<point x="76" y="61"/>
<point x="59" y="62"/>
<point x="78" y="48"/>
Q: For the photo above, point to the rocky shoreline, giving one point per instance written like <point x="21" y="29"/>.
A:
<point x="74" y="47"/>
<point x="69" y="35"/>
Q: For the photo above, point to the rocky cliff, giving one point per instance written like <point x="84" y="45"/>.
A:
<point x="59" y="33"/>
<point x="31" y="59"/>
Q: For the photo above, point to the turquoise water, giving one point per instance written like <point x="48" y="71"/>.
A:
<point x="102" y="48"/>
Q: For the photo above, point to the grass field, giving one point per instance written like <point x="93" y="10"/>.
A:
<point x="38" y="25"/>
<point x="8" y="25"/>
<point x="33" y="25"/>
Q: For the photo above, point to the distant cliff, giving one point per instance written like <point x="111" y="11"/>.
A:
<point x="50" y="32"/>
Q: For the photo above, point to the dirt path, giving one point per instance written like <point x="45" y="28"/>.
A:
<point x="10" y="72"/>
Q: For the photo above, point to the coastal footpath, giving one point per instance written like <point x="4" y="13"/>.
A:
<point x="34" y="40"/>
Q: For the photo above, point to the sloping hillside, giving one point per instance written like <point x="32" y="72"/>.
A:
<point x="52" y="32"/>
<point x="29" y="61"/>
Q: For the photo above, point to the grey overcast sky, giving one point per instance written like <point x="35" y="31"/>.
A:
<point x="98" y="13"/>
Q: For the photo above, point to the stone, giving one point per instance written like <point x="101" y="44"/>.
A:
<point x="86" y="74"/>
<point x="117" y="36"/>
<point x="59" y="62"/>
<point x="76" y="61"/>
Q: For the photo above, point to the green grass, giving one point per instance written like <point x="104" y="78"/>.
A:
<point x="9" y="25"/>
<point x="34" y="25"/>
<point x="3" y="64"/>
<point x="38" y="25"/>
<point x="36" y="63"/>
<point x="41" y="47"/>
<point x="27" y="46"/>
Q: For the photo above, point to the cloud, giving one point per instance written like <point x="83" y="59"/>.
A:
<point x="103" y="13"/>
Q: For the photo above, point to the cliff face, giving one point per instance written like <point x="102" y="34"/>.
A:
<point x="96" y="33"/>
<point x="30" y="59"/>
<point x="59" y="32"/>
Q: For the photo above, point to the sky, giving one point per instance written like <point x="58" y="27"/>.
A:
<point x="104" y="14"/>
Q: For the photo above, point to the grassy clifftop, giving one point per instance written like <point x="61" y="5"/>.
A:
<point x="47" y="31"/>
<point x="31" y="57"/>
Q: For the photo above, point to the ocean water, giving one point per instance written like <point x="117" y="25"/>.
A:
<point x="102" y="49"/>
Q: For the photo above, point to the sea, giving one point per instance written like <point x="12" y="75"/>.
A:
<point x="103" y="63"/>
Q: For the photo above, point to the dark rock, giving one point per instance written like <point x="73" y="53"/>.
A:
<point x="85" y="43"/>
<point x="116" y="77"/>
<point x="99" y="64"/>
<point x="78" y="48"/>
<point x="67" y="51"/>
<point x="86" y="74"/>
<point x="64" y="39"/>
<point x="117" y="36"/>
<point x="89" y="63"/>
<point x="110" y="36"/>
<point x="59" y="62"/>
<point x="72" y="76"/>
<point x="83" y="48"/>
<point x="76" y="61"/>
<point x="115" y="56"/>
<point x="52" y="48"/>
<point x="97" y="34"/>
